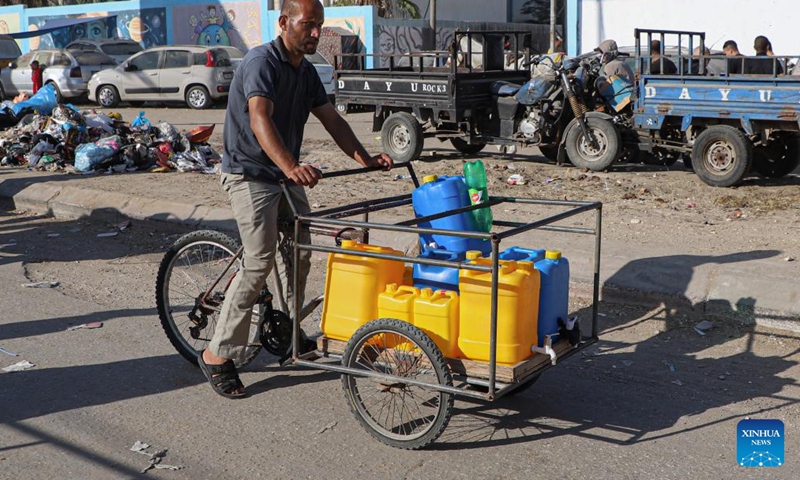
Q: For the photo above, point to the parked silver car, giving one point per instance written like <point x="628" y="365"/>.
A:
<point x="69" y="72"/>
<point x="198" y="75"/>
<point x="324" y="70"/>
<point x="120" y="49"/>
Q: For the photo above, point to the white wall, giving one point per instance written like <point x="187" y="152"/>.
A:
<point x="467" y="10"/>
<point x="739" y="20"/>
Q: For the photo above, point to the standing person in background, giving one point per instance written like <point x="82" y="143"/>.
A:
<point x="770" y="53"/>
<point x="272" y="93"/>
<point x="762" y="66"/>
<point x="731" y="49"/>
<point x="656" y="60"/>
<point x="36" y="76"/>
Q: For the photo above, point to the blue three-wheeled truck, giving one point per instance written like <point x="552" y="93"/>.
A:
<point x="722" y="125"/>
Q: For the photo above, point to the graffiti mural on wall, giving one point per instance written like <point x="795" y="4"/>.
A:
<point x="401" y="40"/>
<point x="9" y="23"/>
<point x="147" y="26"/>
<point x="353" y="24"/>
<point x="237" y="25"/>
<point x="100" y="28"/>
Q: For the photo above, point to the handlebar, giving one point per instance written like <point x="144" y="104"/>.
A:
<point x="355" y="171"/>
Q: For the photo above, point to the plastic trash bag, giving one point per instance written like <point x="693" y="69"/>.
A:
<point x="98" y="120"/>
<point x="90" y="155"/>
<point x="44" y="101"/>
<point x="140" y="122"/>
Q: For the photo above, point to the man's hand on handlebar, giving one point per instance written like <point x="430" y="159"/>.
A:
<point x="305" y="175"/>
<point x="381" y="160"/>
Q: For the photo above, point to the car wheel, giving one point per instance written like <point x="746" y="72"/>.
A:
<point x="198" y="98"/>
<point x="107" y="96"/>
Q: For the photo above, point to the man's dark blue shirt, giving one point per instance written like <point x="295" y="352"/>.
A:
<point x="265" y="71"/>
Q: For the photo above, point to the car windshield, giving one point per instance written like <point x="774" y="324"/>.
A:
<point x="122" y="48"/>
<point x="93" y="58"/>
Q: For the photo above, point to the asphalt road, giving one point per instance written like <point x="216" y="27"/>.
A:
<point x="652" y="400"/>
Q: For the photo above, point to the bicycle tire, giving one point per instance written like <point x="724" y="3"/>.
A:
<point x="398" y="348"/>
<point x="200" y="257"/>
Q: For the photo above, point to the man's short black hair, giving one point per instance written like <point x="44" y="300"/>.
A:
<point x="655" y="46"/>
<point x="730" y="44"/>
<point x="761" y="44"/>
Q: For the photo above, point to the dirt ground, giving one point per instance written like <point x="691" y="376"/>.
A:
<point x="658" y="207"/>
<point x="663" y="208"/>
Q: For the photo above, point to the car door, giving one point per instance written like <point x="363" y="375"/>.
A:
<point x="21" y="76"/>
<point x="176" y="74"/>
<point x="11" y="75"/>
<point x="140" y="81"/>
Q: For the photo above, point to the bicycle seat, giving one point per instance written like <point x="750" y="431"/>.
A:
<point x="505" y="89"/>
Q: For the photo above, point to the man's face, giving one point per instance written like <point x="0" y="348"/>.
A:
<point x="729" y="51"/>
<point x="302" y="28"/>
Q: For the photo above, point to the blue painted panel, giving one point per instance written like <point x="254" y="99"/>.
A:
<point x="713" y="97"/>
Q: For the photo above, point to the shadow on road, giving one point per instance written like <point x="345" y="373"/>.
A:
<point x="652" y="374"/>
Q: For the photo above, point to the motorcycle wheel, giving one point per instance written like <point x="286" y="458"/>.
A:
<point x="596" y="158"/>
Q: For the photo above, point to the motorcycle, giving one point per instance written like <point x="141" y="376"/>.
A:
<point x="565" y="111"/>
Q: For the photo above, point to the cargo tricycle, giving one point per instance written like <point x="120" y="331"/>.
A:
<point x="397" y="381"/>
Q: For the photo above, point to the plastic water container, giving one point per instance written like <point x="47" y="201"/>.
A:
<point x="408" y="275"/>
<point x="517" y="310"/>
<point x="436" y="314"/>
<point x="522" y="254"/>
<point x="437" y="278"/>
<point x="554" y="296"/>
<point x="442" y="194"/>
<point x="397" y="301"/>
<point x="352" y="285"/>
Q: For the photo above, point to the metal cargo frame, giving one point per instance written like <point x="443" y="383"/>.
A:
<point x="336" y="218"/>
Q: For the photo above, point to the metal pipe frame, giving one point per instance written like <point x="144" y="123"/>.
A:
<point x="576" y="208"/>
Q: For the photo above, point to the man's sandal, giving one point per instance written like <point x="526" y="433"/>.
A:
<point x="223" y="378"/>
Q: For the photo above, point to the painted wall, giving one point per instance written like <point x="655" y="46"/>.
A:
<point x="242" y="24"/>
<point x="468" y="10"/>
<point x="739" y="20"/>
<point x="234" y="24"/>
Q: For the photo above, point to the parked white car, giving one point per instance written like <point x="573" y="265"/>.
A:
<point x="198" y="75"/>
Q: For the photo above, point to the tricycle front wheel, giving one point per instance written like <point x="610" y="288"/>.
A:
<point x="398" y="414"/>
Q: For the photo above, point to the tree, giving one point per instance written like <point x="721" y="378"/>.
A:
<point x="387" y="8"/>
<point x="540" y="10"/>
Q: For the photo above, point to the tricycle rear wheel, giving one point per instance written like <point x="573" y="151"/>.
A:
<point x="402" y="137"/>
<point x="397" y="414"/>
<point x="186" y="271"/>
<point x="465" y="147"/>
<point x="779" y="159"/>
<point x="722" y="156"/>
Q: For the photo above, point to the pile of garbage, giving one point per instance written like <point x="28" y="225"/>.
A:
<point x="45" y="135"/>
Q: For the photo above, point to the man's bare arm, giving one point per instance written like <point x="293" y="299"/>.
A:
<point x="344" y="137"/>
<point x="263" y="127"/>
